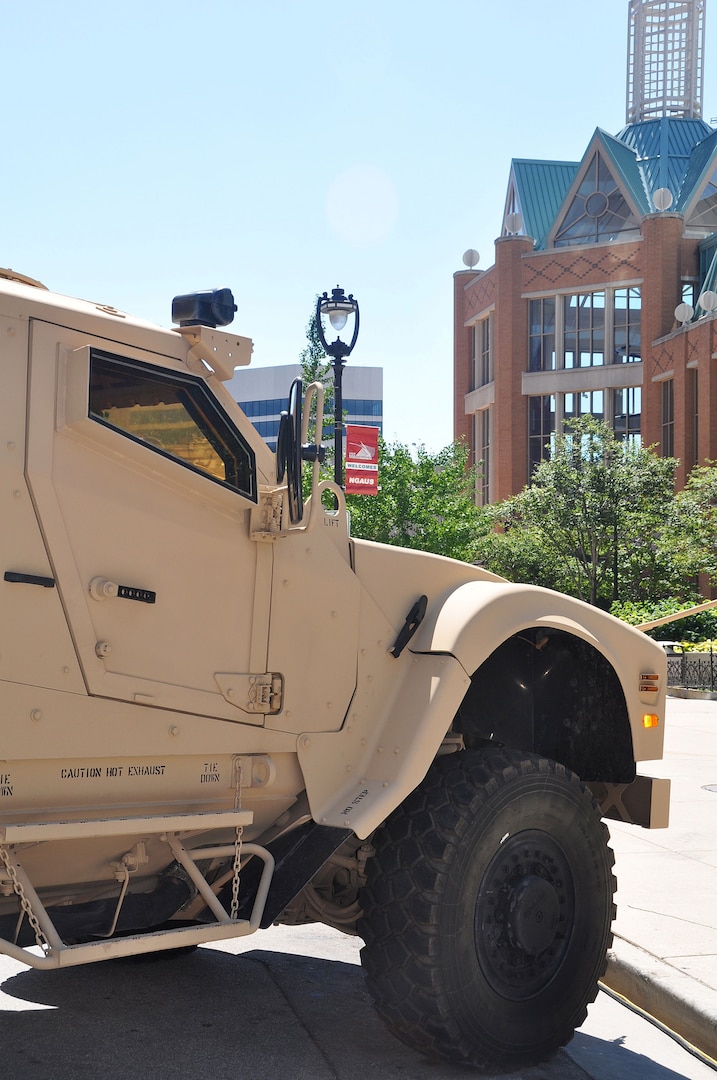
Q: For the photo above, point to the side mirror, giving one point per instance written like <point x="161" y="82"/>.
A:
<point x="288" y="452"/>
<point x="291" y="451"/>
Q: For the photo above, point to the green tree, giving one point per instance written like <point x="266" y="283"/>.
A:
<point x="519" y="551"/>
<point x="691" y="540"/>
<point x="692" y="629"/>
<point x="424" y="501"/>
<point x="592" y="518"/>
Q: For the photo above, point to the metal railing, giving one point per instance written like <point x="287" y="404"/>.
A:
<point x="693" y="670"/>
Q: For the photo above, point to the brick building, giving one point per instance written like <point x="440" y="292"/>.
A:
<point x="603" y="295"/>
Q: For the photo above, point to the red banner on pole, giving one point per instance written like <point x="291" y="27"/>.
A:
<point x="361" y="460"/>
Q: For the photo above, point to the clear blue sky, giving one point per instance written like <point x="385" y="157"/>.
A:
<point x="281" y="148"/>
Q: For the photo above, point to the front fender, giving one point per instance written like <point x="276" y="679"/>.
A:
<point x="471" y="621"/>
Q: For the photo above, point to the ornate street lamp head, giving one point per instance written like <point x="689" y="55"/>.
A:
<point x="338" y="307"/>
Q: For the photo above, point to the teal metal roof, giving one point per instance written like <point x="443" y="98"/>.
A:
<point x="668" y="152"/>
<point x="702" y="160"/>
<point x="541" y="187"/>
<point x="626" y="167"/>
<point x="664" y="148"/>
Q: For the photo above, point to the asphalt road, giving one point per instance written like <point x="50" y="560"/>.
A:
<point x="287" y="1004"/>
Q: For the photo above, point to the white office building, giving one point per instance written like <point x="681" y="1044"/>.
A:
<point x="263" y="392"/>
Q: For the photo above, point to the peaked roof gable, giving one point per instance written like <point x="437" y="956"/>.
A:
<point x="606" y="199"/>
<point x="628" y="166"/>
<point x="607" y="193"/>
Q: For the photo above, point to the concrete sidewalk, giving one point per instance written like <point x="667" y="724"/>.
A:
<point x="665" y="953"/>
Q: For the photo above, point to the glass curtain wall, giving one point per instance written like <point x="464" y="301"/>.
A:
<point x="541" y="428"/>
<point x="584" y="330"/>
<point x="482" y="352"/>
<point x="581" y="331"/>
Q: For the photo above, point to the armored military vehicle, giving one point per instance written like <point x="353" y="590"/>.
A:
<point x="219" y="711"/>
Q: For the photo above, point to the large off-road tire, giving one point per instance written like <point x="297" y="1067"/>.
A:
<point x="488" y="909"/>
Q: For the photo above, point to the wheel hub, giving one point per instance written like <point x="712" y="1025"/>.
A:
<point x="524" y="914"/>
<point x="534" y="914"/>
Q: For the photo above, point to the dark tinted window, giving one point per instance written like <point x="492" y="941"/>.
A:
<point x="174" y="415"/>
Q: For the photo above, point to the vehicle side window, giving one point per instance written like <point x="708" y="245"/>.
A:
<point x="172" y="414"/>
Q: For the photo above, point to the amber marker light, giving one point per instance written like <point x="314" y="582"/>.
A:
<point x="650" y="720"/>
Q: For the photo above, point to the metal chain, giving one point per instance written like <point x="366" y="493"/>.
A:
<point x="234" y="909"/>
<point x="40" y="938"/>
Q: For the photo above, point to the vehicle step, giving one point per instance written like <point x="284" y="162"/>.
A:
<point x="32" y="832"/>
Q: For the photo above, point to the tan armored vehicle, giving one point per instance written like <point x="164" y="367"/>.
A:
<point x="219" y="711"/>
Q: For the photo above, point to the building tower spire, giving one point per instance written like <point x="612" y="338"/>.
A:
<point x="665" y="59"/>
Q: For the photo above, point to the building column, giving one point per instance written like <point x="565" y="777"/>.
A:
<point x="510" y="360"/>
<point x="661" y="293"/>
<point x="462" y="361"/>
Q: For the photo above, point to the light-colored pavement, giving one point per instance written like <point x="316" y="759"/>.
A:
<point x="665" y="954"/>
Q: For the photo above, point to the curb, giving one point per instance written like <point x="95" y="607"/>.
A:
<point x="691" y="695"/>
<point x="683" y="1004"/>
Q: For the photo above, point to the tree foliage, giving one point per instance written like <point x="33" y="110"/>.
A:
<point x="424" y="501"/>
<point x="519" y="551"/>
<point x="693" y="628"/>
<point x="691" y="540"/>
<point x="591" y="520"/>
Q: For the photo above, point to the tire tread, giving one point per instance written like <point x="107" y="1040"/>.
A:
<point x="402" y="902"/>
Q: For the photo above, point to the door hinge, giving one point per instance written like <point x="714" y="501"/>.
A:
<point x="267" y="515"/>
<point x="253" y="693"/>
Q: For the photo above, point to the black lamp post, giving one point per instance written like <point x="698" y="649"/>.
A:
<point x="338" y="307"/>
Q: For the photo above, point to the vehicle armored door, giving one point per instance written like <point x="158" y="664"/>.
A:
<point x="144" y="486"/>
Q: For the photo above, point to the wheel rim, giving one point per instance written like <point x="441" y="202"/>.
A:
<point x="524" y="914"/>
